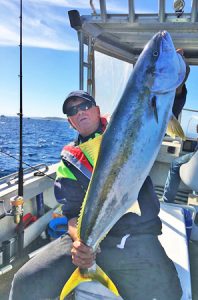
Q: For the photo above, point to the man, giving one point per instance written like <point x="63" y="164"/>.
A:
<point x="181" y="91"/>
<point x="130" y="255"/>
<point x="173" y="179"/>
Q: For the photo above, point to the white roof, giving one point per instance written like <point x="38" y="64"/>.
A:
<point x="124" y="35"/>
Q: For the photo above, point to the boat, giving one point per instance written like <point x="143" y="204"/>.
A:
<point x="121" y="36"/>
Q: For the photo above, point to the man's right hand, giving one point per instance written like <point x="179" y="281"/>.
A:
<point x="82" y="255"/>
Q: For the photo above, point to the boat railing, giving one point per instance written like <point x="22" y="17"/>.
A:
<point x="12" y="179"/>
<point x="191" y="110"/>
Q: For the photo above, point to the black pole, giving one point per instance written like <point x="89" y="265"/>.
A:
<point x="19" y="201"/>
<point x="20" y="184"/>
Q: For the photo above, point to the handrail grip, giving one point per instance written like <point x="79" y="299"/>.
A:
<point x="7" y="179"/>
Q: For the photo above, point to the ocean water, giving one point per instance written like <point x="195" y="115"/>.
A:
<point x="43" y="140"/>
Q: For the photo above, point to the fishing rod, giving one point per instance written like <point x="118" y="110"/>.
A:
<point x="20" y="186"/>
<point x="28" y="165"/>
<point x="17" y="201"/>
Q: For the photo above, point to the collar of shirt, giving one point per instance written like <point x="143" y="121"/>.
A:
<point x="82" y="139"/>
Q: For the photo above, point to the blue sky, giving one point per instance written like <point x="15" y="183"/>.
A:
<point x="50" y="54"/>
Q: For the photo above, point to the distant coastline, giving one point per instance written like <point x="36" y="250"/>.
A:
<point x="48" y="118"/>
<point x="40" y="118"/>
<point x="53" y="118"/>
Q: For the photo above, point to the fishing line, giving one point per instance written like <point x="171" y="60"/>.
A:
<point x="33" y="168"/>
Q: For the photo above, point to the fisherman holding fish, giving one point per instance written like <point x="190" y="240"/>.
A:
<point x="109" y="242"/>
<point x="181" y="91"/>
<point x="173" y="178"/>
<point x="130" y="254"/>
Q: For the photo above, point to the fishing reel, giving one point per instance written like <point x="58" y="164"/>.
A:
<point x="16" y="211"/>
<point x="17" y="208"/>
<point x="12" y="247"/>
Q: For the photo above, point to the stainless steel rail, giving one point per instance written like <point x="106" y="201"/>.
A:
<point x="14" y="176"/>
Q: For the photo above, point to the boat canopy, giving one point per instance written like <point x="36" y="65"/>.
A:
<point x="124" y="35"/>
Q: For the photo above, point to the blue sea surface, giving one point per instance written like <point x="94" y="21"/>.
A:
<point x="43" y="140"/>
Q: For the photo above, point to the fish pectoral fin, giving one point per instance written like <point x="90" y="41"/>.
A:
<point x="174" y="128"/>
<point x="76" y="278"/>
<point x="154" y="106"/>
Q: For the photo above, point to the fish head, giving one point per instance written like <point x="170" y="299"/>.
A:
<point x="165" y="68"/>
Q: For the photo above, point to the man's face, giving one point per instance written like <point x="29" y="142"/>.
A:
<point x="84" y="121"/>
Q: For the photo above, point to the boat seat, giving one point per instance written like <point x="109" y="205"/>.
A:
<point x="189" y="173"/>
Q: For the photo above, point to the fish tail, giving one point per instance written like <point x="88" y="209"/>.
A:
<point x="76" y="278"/>
<point x="174" y="129"/>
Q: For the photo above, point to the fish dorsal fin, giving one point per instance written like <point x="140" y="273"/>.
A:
<point x="174" y="128"/>
<point x="91" y="148"/>
<point x="79" y="221"/>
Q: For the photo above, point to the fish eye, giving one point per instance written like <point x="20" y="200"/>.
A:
<point x="155" y="53"/>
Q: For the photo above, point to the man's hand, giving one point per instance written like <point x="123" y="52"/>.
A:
<point x="82" y="255"/>
<point x="181" y="52"/>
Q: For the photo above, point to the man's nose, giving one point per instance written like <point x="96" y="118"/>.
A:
<point x="80" y="111"/>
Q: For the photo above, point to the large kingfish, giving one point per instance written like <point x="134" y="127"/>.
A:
<point x="129" y="146"/>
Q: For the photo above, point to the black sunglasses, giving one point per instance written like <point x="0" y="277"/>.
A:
<point x="73" y="110"/>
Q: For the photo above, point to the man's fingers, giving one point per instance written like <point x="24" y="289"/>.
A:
<point x="82" y="247"/>
<point x="180" y="51"/>
<point x="82" y="262"/>
<point x="83" y="255"/>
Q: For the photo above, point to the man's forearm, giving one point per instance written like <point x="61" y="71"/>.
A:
<point x="72" y="229"/>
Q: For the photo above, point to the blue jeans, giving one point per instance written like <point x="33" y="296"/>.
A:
<point x="173" y="178"/>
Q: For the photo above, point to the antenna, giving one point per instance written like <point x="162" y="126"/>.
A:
<point x="17" y="201"/>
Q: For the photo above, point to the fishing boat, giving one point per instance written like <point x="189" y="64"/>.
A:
<point x="121" y="37"/>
